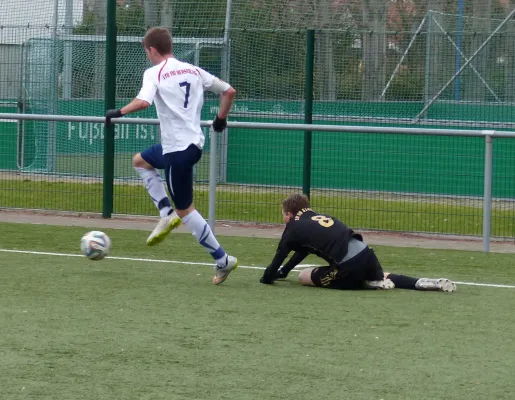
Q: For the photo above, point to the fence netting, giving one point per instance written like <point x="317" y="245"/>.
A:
<point x="384" y="64"/>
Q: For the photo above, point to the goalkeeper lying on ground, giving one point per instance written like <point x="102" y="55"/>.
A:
<point x="352" y="264"/>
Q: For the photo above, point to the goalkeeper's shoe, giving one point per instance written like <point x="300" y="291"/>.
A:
<point x="441" y="285"/>
<point x="163" y="228"/>
<point x="384" y="284"/>
<point x="223" y="271"/>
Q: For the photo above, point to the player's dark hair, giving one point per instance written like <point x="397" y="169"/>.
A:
<point x="295" y="203"/>
<point x="160" y="39"/>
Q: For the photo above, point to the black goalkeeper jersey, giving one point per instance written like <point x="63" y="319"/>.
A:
<point x="312" y="233"/>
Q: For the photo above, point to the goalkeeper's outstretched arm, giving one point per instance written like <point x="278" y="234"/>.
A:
<point x="295" y="260"/>
<point x="270" y="274"/>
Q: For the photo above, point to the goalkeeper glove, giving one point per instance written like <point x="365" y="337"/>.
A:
<point x="268" y="278"/>
<point x="281" y="274"/>
<point x="112" y="114"/>
<point x="219" y="124"/>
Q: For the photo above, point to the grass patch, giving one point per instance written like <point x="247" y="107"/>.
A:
<point x="253" y="204"/>
<point x="93" y="165"/>
<point x="73" y="328"/>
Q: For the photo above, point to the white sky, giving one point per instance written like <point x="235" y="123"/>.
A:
<point x="15" y="14"/>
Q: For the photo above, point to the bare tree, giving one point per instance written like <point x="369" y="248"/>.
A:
<point x="328" y="16"/>
<point x="167" y="14"/>
<point x="437" y="74"/>
<point x="509" y="57"/>
<point x="326" y="68"/>
<point x="481" y="26"/>
<point x="374" y="14"/>
<point x="150" y="8"/>
<point x="99" y="9"/>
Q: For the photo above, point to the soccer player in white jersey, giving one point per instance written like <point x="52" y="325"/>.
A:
<point x="177" y="89"/>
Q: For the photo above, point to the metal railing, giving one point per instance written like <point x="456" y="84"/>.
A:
<point x="488" y="135"/>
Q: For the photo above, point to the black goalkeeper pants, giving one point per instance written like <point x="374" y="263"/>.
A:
<point x="350" y="275"/>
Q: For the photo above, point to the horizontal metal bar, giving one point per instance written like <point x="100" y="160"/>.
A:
<point x="275" y="126"/>
<point x="371" y="129"/>
<point x="137" y="39"/>
<point x="375" y="120"/>
<point x="119" y="38"/>
<point x="78" y="118"/>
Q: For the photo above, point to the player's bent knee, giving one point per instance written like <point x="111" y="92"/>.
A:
<point x="386" y="275"/>
<point x="139" y="162"/>
<point x="305" y="277"/>
<point x="183" y="212"/>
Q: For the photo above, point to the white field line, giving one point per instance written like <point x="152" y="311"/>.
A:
<point x="44" y="253"/>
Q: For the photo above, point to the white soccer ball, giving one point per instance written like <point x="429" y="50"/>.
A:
<point x="95" y="245"/>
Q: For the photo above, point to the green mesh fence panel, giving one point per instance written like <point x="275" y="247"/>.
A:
<point x="42" y="78"/>
<point x="376" y="63"/>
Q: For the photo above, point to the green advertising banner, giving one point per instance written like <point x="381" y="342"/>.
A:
<point x="372" y="162"/>
<point x="8" y="143"/>
<point x="87" y="137"/>
<point x="8" y="137"/>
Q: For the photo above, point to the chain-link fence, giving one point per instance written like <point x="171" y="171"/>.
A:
<point x="390" y="64"/>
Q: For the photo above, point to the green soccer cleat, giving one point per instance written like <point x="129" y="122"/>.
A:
<point x="163" y="228"/>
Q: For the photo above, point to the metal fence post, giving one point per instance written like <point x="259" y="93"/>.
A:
<point x="212" y="179"/>
<point x="53" y="94"/>
<point x="428" y="59"/>
<point x="110" y="103"/>
<point x="308" y="110"/>
<point x="487" y="195"/>
<point x="225" y="75"/>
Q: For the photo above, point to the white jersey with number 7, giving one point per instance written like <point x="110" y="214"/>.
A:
<point x="177" y="88"/>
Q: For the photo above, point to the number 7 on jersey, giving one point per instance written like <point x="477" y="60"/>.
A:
<point x="187" y="95"/>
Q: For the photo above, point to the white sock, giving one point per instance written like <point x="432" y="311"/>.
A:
<point x="156" y="189"/>
<point x="202" y="232"/>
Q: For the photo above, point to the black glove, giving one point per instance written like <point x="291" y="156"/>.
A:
<point x="219" y="124"/>
<point x="281" y="274"/>
<point x="112" y="114"/>
<point x="268" y="278"/>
